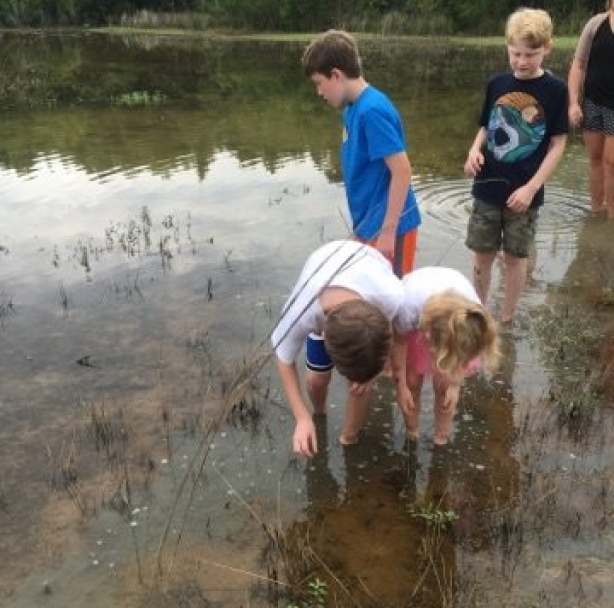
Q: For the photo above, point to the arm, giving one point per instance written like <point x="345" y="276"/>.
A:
<point x="475" y="158"/>
<point x="304" y="441"/>
<point x="400" y="181"/>
<point x="453" y="382"/>
<point x="450" y="399"/>
<point x="575" y="82"/>
<point x="399" y="372"/>
<point x="520" y="200"/>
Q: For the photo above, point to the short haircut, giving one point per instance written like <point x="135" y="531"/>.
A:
<point x="530" y="26"/>
<point x="332" y="50"/>
<point x="357" y="336"/>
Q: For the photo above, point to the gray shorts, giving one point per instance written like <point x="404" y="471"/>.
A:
<point x="597" y="118"/>
<point x="492" y="228"/>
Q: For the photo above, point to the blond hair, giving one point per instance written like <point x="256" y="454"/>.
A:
<point x="357" y="336"/>
<point x="332" y="50"/>
<point x="459" y="330"/>
<point x="530" y="26"/>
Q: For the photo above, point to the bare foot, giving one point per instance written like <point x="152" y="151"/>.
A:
<point x="437" y="440"/>
<point x="348" y="439"/>
<point x="414" y="435"/>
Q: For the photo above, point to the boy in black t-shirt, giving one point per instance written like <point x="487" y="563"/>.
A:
<point x="522" y="135"/>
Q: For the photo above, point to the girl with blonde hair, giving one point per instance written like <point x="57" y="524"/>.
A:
<point x="450" y="336"/>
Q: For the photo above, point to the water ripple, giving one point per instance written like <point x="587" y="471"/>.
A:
<point x="446" y="206"/>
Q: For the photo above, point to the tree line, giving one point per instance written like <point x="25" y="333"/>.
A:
<point x="392" y="16"/>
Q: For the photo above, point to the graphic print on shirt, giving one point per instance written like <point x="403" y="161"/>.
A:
<point x="516" y="127"/>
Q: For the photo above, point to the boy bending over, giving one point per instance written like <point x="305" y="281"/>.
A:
<point x="343" y="305"/>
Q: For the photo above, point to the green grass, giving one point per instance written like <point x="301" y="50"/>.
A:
<point x="563" y="42"/>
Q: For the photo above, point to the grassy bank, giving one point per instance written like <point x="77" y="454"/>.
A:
<point x="563" y="42"/>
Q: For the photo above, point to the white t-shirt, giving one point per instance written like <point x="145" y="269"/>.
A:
<point x="423" y="283"/>
<point x="348" y="264"/>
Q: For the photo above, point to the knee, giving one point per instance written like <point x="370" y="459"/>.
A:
<point x="512" y="261"/>
<point x="482" y="262"/>
<point x="316" y="382"/>
<point x="608" y="163"/>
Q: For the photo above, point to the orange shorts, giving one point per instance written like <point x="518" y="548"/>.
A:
<point x="404" y="252"/>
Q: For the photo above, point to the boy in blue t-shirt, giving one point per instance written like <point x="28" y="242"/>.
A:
<point x="376" y="169"/>
<point x="522" y="135"/>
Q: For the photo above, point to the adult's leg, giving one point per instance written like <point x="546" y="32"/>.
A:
<point x="608" y="169"/>
<point x="482" y="271"/>
<point x="316" y="384"/>
<point x="515" y="280"/>
<point x="356" y="412"/>
<point x="594" y="142"/>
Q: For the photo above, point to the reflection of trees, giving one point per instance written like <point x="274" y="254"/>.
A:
<point x="248" y="97"/>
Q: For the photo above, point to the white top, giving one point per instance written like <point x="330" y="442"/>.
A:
<point x="348" y="264"/>
<point x="423" y="283"/>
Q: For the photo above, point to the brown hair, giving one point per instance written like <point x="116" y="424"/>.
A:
<point x="357" y="336"/>
<point x="530" y="26"/>
<point x="334" y="49"/>
<point x="458" y="331"/>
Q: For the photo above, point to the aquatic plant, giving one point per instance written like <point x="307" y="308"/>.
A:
<point x="7" y="308"/>
<point x="434" y="515"/>
<point x="317" y="590"/>
<point x="138" y="99"/>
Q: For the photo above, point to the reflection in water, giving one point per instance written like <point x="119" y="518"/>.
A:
<point x="367" y="519"/>
<point x="407" y="509"/>
<point x="143" y="250"/>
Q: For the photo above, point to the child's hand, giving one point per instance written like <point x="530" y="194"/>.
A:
<point x="451" y="398"/>
<point x="405" y="400"/>
<point x="520" y="200"/>
<point x="305" y="442"/>
<point x="474" y="162"/>
<point x="385" y="244"/>
<point x="575" y="114"/>
<point x="358" y="389"/>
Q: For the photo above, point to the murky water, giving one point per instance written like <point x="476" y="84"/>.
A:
<point x="158" y="199"/>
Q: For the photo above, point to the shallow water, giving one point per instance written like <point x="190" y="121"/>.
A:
<point x="158" y="199"/>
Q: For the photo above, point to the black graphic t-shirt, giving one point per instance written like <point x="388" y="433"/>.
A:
<point x="521" y="117"/>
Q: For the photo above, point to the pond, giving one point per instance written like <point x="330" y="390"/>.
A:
<point x="158" y="198"/>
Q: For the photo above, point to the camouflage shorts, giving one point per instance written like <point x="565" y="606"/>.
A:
<point x="492" y="227"/>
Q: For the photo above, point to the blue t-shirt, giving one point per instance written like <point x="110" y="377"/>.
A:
<point x="521" y="117"/>
<point x="372" y="130"/>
